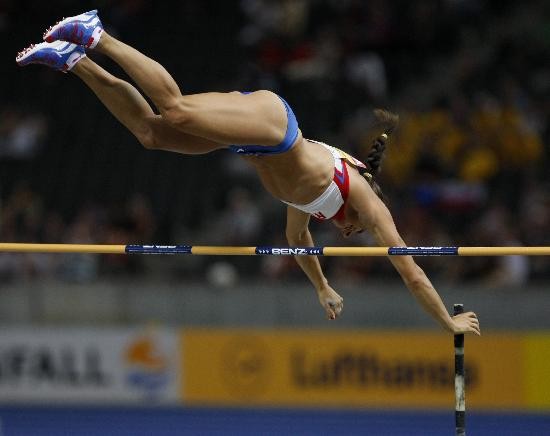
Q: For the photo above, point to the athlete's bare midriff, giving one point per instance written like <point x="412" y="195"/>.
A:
<point x="297" y="176"/>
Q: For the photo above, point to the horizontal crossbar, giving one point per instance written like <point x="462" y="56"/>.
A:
<point x="274" y="251"/>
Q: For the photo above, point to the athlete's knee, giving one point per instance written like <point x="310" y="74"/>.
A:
<point x="145" y="134"/>
<point x="177" y="111"/>
<point x="148" y="140"/>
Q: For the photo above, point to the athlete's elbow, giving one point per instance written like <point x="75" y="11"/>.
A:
<point x="148" y="141"/>
<point x="145" y="134"/>
<point x="292" y="238"/>
<point x="296" y="238"/>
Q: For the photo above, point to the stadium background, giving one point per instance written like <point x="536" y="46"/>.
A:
<point x="470" y="80"/>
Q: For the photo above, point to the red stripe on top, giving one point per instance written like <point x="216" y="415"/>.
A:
<point x="341" y="178"/>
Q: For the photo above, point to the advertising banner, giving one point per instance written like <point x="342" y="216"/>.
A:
<point x="89" y="366"/>
<point x="281" y="368"/>
<point x="348" y="368"/>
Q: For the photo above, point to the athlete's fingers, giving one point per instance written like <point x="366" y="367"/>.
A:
<point x="473" y="319"/>
<point x="333" y="311"/>
<point x="475" y="323"/>
<point x="478" y="328"/>
<point x="330" y="313"/>
<point x="336" y="307"/>
<point x="475" y="328"/>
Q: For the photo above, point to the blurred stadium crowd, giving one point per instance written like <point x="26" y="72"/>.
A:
<point x="469" y="79"/>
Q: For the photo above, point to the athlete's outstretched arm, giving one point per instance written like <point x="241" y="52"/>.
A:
<point x="376" y="218"/>
<point x="128" y="106"/>
<point x="297" y="234"/>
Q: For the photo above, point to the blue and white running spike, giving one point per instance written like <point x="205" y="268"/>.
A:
<point x="59" y="55"/>
<point x="84" y="29"/>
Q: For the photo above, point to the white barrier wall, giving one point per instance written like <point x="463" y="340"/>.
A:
<point x="286" y="304"/>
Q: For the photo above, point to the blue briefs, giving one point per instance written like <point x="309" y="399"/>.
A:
<point x="288" y="140"/>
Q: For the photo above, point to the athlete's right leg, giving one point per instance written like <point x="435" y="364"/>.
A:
<point x="132" y="110"/>
<point x="228" y="118"/>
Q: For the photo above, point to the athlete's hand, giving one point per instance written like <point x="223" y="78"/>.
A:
<point x="331" y="301"/>
<point x="466" y="323"/>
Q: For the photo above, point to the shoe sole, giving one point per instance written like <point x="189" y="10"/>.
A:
<point x="70" y="62"/>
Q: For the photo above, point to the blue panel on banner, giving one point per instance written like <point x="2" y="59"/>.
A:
<point x="290" y="251"/>
<point x="423" y="251"/>
<point x="158" y="249"/>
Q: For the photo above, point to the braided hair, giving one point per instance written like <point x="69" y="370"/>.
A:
<point x="388" y="122"/>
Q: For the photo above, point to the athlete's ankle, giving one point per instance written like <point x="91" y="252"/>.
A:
<point x="81" y="66"/>
<point x="105" y="42"/>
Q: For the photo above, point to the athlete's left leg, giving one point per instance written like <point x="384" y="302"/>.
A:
<point x="132" y="110"/>
<point x="119" y="97"/>
<point x="229" y="118"/>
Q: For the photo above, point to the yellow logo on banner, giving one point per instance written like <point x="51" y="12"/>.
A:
<point x="246" y="367"/>
<point x="356" y="369"/>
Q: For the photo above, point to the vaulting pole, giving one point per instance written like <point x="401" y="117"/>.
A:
<point x="460" y="383"/>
